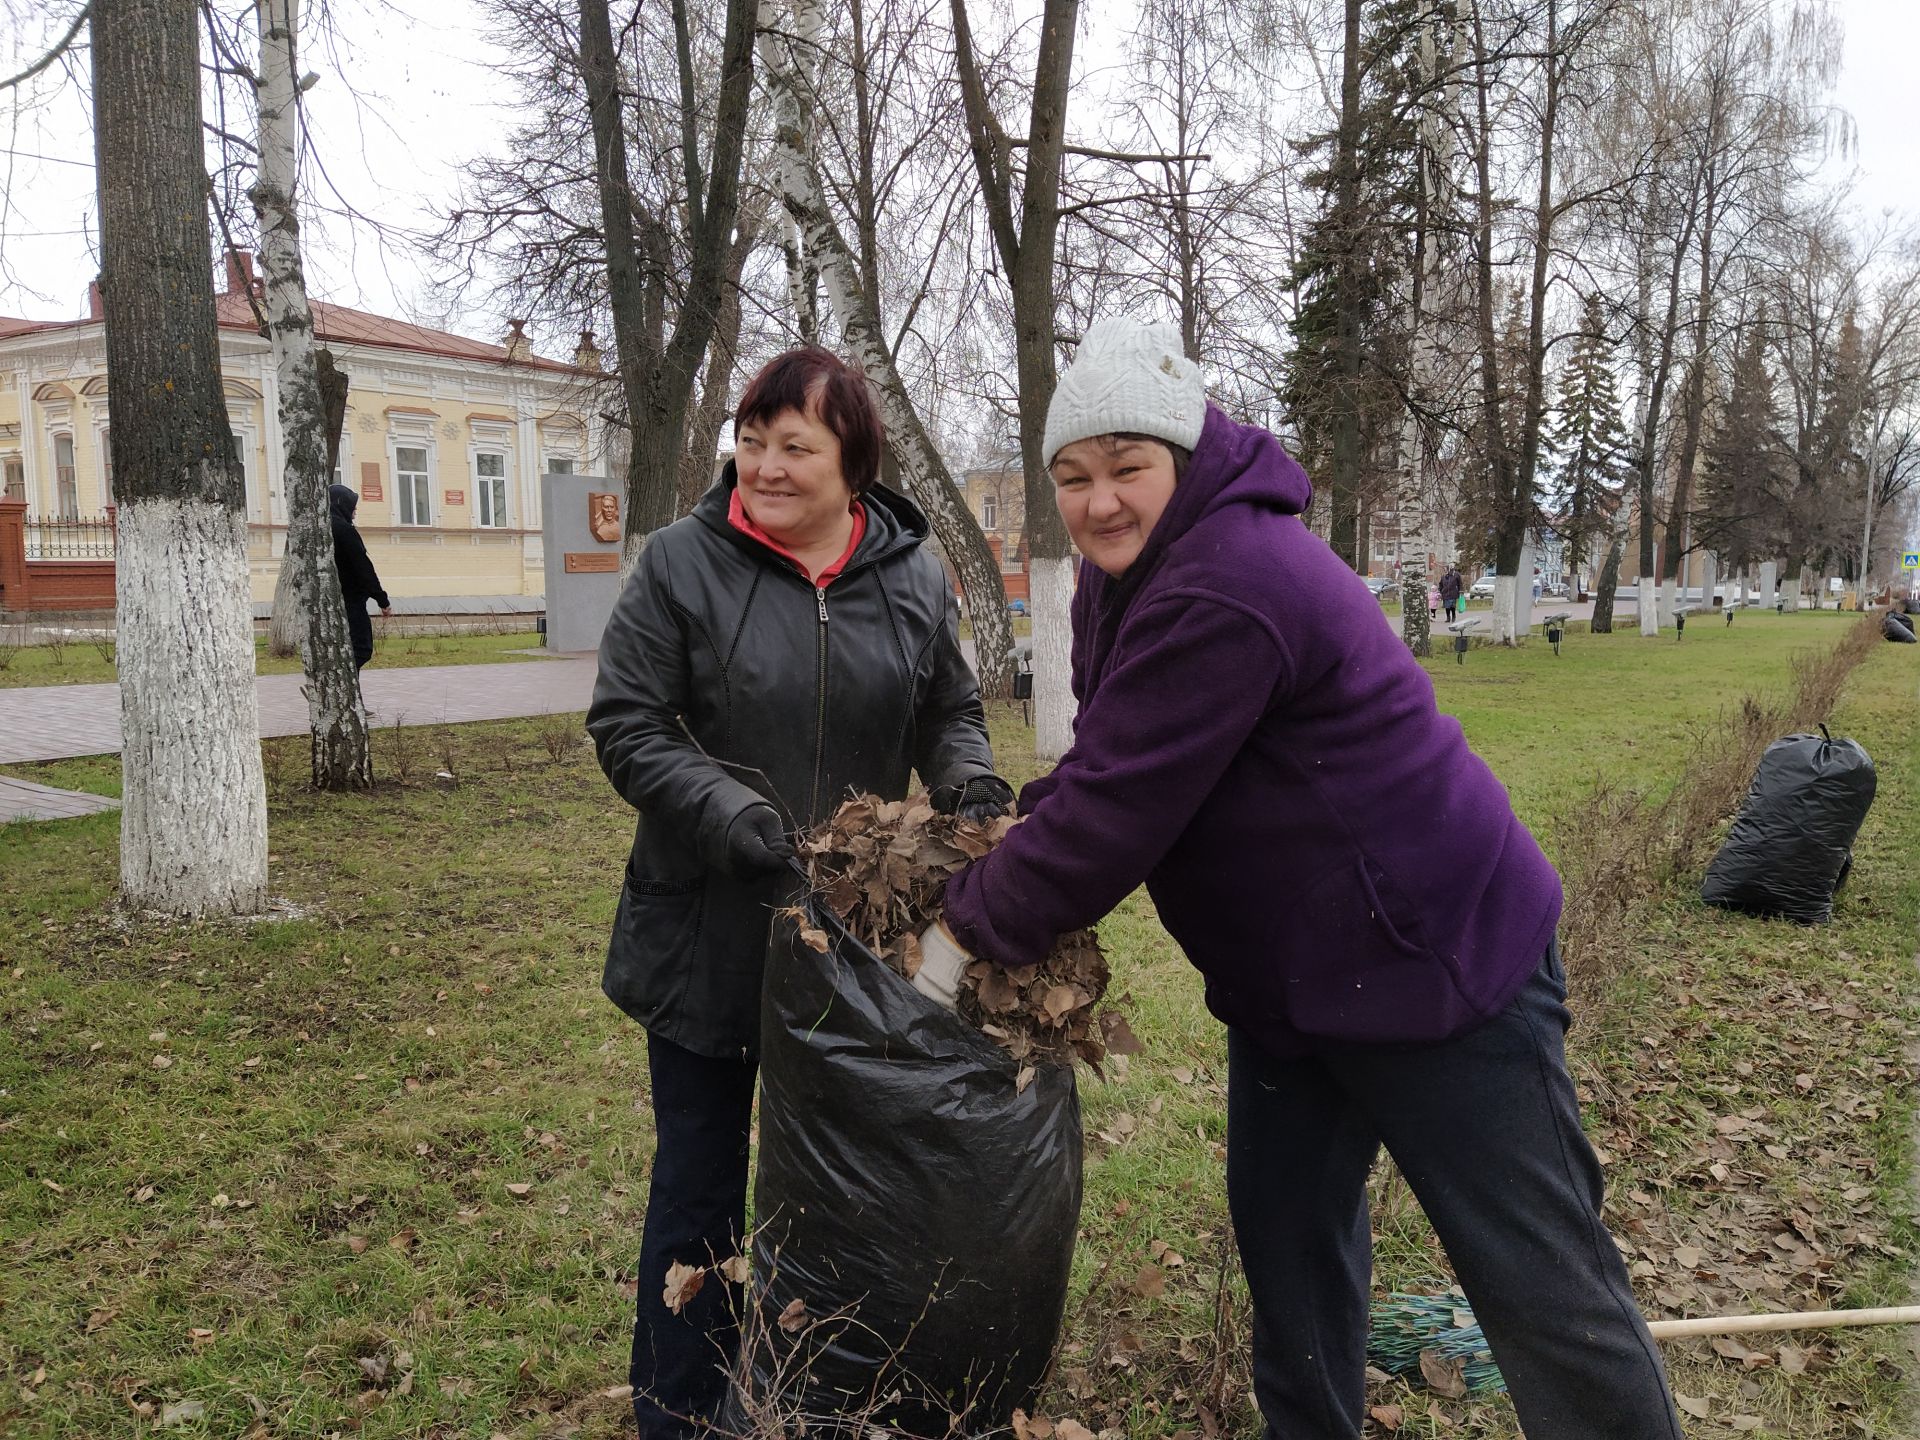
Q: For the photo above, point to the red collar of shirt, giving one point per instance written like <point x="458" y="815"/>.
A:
<point x="738" y="518"/>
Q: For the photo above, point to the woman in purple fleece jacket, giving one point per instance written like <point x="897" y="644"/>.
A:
<point x="1260" y="751"/>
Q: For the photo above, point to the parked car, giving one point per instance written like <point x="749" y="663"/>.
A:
<point x="1381" y="588"/>
<point x="1481" y="589"/>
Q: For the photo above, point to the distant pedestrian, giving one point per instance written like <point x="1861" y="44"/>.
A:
<point x="1450" y="593"/>
<point x="359" y="582"/>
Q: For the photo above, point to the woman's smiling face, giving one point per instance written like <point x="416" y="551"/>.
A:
<point x="789" y="475"/>
<point x="1111" y="492"/>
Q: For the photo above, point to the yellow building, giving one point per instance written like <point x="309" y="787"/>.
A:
<point x="445" y="440"/>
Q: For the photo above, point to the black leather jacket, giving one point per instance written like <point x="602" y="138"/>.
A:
<point x="825" y="692"/>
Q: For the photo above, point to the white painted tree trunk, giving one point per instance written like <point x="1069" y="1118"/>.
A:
<point x="1769" y="584"/>
<point x="1646" y="600"/>
<point x="287" y="623"/>
<point x="1505" y="608"/>
<point x="1054" y="707"/>
<point x="341" y="754"/>
<point x="193" y="819"/>
<point x="1669" y="600"/>
<point x="1709" y="580"/>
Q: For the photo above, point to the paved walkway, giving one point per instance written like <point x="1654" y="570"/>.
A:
<point x="24" y="800"/>
<point x="60" y="722"/>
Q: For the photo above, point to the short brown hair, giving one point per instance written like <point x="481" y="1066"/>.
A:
<point x="812" y="378"/>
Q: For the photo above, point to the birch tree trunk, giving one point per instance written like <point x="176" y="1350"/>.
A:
<point x="193" y="824"/>
<point x="922" y="468"/>
<point x="336" y="719"/>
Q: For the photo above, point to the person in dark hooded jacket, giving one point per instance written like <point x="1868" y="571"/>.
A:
<point x="787" y="643"/>
<point x="1267" y="758"/>
<point x="359" y="582"/>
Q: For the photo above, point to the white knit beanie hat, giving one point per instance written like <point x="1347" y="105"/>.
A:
<point x="1127" y="376"/>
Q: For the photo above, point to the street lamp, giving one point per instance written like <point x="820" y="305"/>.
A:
<point x="1555" y="626"/>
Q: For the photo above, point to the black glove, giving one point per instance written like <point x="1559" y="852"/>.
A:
<point x="981" y="799"/>
<point x="756" y="843"/>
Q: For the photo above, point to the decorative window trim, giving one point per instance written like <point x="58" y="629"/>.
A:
<point x="420" y="438"/>
<point x="487" y="515"/>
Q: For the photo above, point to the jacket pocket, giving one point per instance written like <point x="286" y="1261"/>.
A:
<point x="655" y="943"/>
<point x="1356" y="966"/>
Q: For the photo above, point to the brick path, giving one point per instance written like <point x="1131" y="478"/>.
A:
<point x="59" y="722"/>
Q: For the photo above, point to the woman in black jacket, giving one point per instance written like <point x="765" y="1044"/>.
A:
<point x="787" y="643"/>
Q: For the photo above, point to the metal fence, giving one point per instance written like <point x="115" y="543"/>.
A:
<point x="85" y="537"/>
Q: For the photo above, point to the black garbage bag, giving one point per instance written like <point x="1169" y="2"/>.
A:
<point x="1791" y="844"/>
<point x="915" y="1210"/>
<point x="1898" y="628"/>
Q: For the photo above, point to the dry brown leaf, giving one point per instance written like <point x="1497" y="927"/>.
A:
<point x="1150" y="1283"/>
<point x="1445" y="1376"/>
<point x="737" y="1269"/>
<point x="519" y="1189"/>
<point x="1388" y="1417"/>
<point x="1036" y="1427"/>
<point x="793" y="1319"/>
<point x="683" y="1283"/>
<point x="1071" y="1430"/>
<point x="357" y="1244"/>
<point x="1695" y="1405"/>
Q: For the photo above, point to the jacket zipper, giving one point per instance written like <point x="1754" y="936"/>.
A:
<point x="820" y="713"/>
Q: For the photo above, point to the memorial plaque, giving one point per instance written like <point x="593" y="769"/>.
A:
<point x="593" y="562"/>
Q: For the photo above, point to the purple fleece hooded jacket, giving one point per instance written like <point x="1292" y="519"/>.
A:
<point x="1260" y="749"/>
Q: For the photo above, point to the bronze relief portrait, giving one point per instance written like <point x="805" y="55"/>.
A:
<point x="603" y="516"/>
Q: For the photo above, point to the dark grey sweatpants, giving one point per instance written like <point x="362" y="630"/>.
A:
<point x="1486" y="1129"/>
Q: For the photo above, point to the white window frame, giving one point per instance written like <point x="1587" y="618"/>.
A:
<point x="571" y="461"/>
<point x="411" y="440"/>
<point x="103" y="437"/>
<point x="989" y="513"/>
<point x="490" y="513"/>
<point x="13" y="468"/>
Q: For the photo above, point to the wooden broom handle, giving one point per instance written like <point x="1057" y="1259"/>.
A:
<point x="1801" y="1320"/>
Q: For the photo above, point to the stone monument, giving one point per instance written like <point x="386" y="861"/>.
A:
<point x="582" y="526"/>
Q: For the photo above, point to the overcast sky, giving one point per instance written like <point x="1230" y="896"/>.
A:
<point x="396" y="139"/>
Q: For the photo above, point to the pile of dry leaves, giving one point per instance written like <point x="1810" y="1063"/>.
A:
<point x="880" y="866"/>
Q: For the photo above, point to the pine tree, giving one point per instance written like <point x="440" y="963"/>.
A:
<point x="1742" y="512"/>
<point x="1343" y="394"/>
<point x="1588" y="439"/>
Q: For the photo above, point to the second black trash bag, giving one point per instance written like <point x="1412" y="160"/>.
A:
<point x="1792" y="842"/>
<point x="915" y="1210"/>
<point x="1897" y="628"/>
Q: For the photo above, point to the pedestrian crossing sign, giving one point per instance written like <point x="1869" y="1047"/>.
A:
<point x="1910" y="560"/>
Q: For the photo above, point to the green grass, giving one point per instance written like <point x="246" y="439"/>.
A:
<point x="353" y="1085"/>
<point x="84" y="662"/>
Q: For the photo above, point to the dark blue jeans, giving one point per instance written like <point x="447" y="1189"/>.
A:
<point x="1486" y="1129"/>
<point x="696" y="1212"/>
